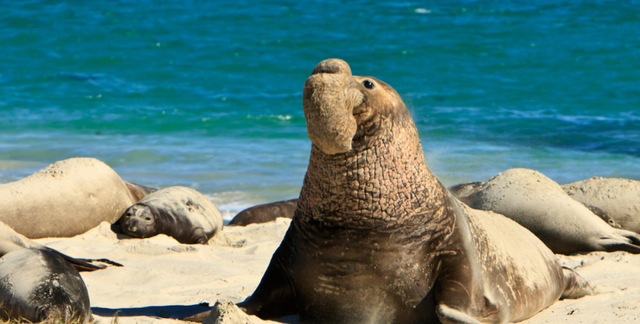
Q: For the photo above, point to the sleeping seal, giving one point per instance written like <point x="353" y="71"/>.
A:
<point x="376" y="238"/>
<point x="39" y="283"/>
<point x="66" y="198"/>
<point x="616" y="201"/>
<point x="180" y="212"/>
<point x="542" y="206"/>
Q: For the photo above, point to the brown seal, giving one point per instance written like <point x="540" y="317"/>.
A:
<point x="376" y="238"/>
<point x="538" y="203"/>
<point x="65" y="199"/>
<point x="177" y="211"/>
<point x="265" y="213"/>
<point x="615" y="200"/>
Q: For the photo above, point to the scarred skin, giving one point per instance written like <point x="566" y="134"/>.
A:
<point x="376" y="238"/>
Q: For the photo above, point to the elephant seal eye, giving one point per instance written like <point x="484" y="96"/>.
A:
<point x="368" y="84"/>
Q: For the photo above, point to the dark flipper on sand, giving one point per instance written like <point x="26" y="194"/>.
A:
<point x="612" y="245"/>
<point x="85" y="264"/>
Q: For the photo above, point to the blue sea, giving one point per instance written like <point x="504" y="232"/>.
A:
<point x="208" y="94"/>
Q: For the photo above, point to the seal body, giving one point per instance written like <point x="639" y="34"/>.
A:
<point x="376" y="238"/>
<point x="265" y="213"/>
<point x="177" y="211"/>
<point x="37" y="285"/>
<point x="65" y="199"/>
<point x="616" y="201"/>
<point x="542" y="206"/>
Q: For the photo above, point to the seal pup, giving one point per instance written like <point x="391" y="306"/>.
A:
<point x="376" y="238"/>
<point x="265" y="213"/>
<point x="65" y="199"/>
<point x="177" y="211"/>
<point x="542" y="206"/>
<point x="615" y="200"/>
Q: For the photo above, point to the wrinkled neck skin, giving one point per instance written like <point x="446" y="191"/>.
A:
<point x="383" y="183"/>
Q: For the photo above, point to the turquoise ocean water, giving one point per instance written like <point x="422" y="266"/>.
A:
<point x="208" y="94"/>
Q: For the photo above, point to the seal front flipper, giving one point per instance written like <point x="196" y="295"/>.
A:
<point x="575" y="285"/>
<point x="274" y="297"/>
<point x="200" y="236"/>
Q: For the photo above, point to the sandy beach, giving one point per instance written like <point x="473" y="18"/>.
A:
<point x="162" y="278"/>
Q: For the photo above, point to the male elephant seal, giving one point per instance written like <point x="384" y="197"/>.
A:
<point x="180" y="212"/>
<point x="376" y="238"/>
<point x="265" y="213"/>
<point x="541" y="205"/>
<point x="616" y="200"/>
<point x="65" y="199"/>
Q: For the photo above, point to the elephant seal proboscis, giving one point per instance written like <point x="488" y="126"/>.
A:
<point x="265" y="213"/>
<point x="615" y="200"/>
<point x="376" y="238"/>
<point x="538" y="203"/>
<point x="65" y="199"/>
<point x="180" y="212"/>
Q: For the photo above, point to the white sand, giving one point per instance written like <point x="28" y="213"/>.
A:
<point x="163" y="277"/>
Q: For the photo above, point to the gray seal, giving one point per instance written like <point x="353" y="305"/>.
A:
<point x="265" y="213"/>
<point x="180" y="212"/>
<point x="376" y="238"/>
<point x="615" y="200"/>
<point x="38" y="283"/>
<point x="542" y="206"/>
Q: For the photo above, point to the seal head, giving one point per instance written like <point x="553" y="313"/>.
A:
<point x="139" y="221"/>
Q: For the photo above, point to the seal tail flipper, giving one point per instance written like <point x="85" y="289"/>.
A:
<point x="575" y="285"/>
<point x="633" y="236"/>
<point x="612" y="245"/>
<point x="138" y="191"/>
<point x="84" y="264"/>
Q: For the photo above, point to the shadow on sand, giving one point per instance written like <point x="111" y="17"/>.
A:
<point x="167" y="311"/>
